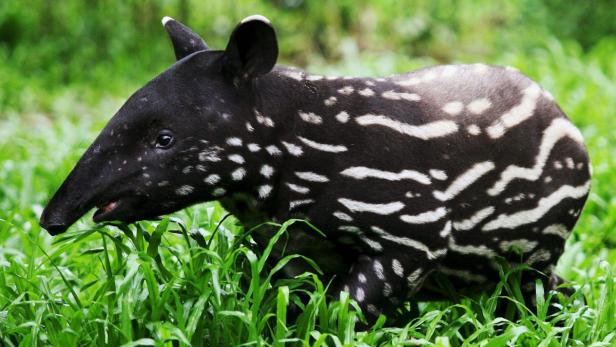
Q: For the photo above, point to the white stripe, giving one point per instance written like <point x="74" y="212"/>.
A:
<point x="374" y="245"/>
<point x="295" y="203"/>
<point x="298" y="189"/>
<point x="391" y="95"/>
<point x="463" y="274"/>
<point x="382" y="209"/>
<point x="322" y="146"/>
<point x="544" y="205"/>
<point x="310" y="117"/>
<point x="293" y="149"/>
<point x="438" y="174"/>
<point x="425" y="217"/>
<point x="470" y="249"/>
<point x="425" y="132"/>
<point x="558" y="230"/>
<point x="404" y="241"/>
<point x="523" y="245"/>
<point x="361" y="172"/>
<point x="343" y="216"/>
<point x="558" y="129"/>
<point x="478" y="217"/>
<point x="378" y="269"/>
<point x="516" y="115"/>
<point x="311" y="176"/>
<point x="465" y="180"/>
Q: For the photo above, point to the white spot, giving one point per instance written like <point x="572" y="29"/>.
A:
<point x="479" y="106"/>
<point x="473" y="129"/>
<point x="234" y="141"/>
<point x="425" y="132"/>
<point x="361" y="172"/>
<point x="558" y="165"/>
<point x="438" y="174"/>
<point x="378" y="269"/>
<point x="295" y="203"/>
<point x="342" y="117"/>
<point x="323" y="146"/>
<point x="411" y="81"/>
<point x="361" y="277"/>
<point x="163" y="183"/>
<point x="253" y="147"/>
<point x="330" y="101"/>
<point x="238" y="174"/>
<point x="387" y="289"/>
<point x="210" y="154"/>
<point x="372" y="309"/>
<point x="381" y="209"/>
<point x="298" y="188"/>
<point x="236" y="158"/>
<point x="472" y="221"/>
<point x="185" y="170"/>
<point x="359" y="294"/>
<point x="548" y="179"/>
<point x="310" y="117"/>
<point x="264" y="191"/>
<point x="273" y="150"/>
<point x="539" y="256"/>
<point x="517" y="114"/>
<point x="397" y="267"/>
<point x="261" y="119"/>
<point x="580" y="166"/>
<point x="311" y="176"/>
<point x="346" y="90"/>
<point x="558" y="129"/>
<point x="249" y="127"/>
<point x="453" y="108"/>
<point x="212" y="179"/>
<point x="404" y="241"/>
<point x="184" y="190"/>
<point x="219" y="192"/>
<point x="465" y="180"/>
<point x="342" y="216"/>
<point x="366" y="92"/>
<point x="569" y="162"/>
<point x="391" y="95"/>
<point x="543" y="206"/>
<point x="267" y="171"/>
<point x="293" y="149"/>
<point x="425" y="217"/>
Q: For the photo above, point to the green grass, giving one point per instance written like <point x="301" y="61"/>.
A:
<point x="190" y="280"/>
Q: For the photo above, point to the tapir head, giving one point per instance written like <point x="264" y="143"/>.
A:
<point x="179" y="123"/>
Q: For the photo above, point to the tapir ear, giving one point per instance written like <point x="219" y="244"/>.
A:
<point x="185" y="41"/>
<point x="252" y="49"/>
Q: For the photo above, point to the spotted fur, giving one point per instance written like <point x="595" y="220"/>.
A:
<point x="441" y="170"/>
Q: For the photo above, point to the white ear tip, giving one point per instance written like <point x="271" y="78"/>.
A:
<point x="166" y="19"/>
<point x="255" y="17"/>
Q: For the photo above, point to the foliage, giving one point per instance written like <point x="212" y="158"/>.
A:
<point x="68" y="65"/>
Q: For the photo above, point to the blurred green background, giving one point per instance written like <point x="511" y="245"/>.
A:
<point x="111" y="47"/>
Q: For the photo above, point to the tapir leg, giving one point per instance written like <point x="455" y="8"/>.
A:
<point x="379" y="284"/>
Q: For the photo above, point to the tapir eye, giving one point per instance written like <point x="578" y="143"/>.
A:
<point x="164" y="139"/>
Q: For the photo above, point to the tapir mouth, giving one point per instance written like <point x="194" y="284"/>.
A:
<point x="104" y="210"/>
<point x="121" y="209"/>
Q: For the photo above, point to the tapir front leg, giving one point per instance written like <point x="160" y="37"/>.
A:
<point x="380" y="283"/>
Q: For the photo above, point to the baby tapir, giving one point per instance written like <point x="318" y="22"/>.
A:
<point x="442" y="170"/>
